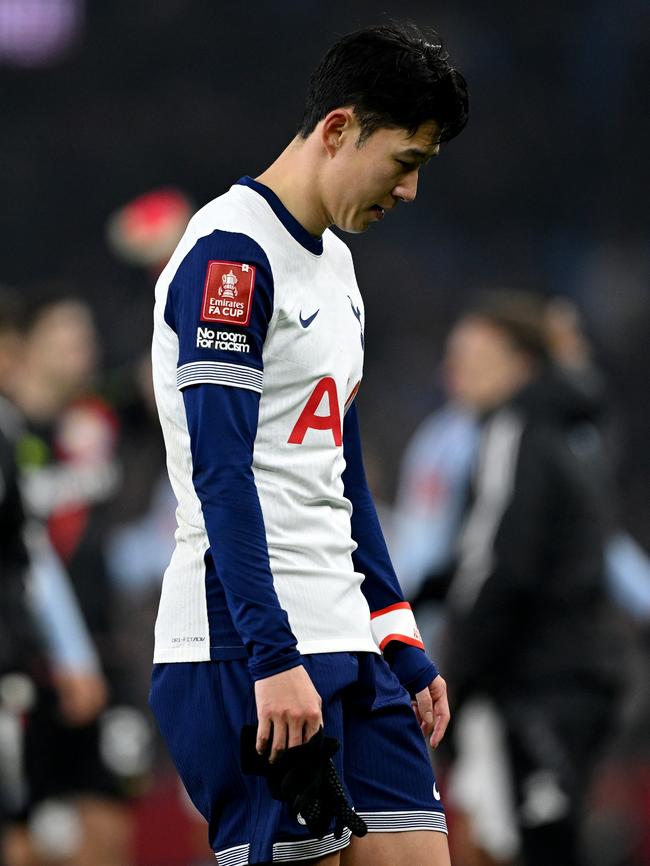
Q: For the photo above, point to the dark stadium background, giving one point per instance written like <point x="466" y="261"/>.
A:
<point x="547" y="189"/>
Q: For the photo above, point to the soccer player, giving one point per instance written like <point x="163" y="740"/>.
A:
<point x="280" y="597"/>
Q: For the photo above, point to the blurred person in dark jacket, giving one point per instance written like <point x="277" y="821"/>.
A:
<point x="67" y="456"/>
<point x="68" y="474"/>
<point x="529" y="626"/>
<point x="438" y="459"/>
<point x="46" y="655"/>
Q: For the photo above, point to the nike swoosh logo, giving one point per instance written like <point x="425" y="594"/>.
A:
<point x="436" y="793"/>
<point x="307" y="322"/>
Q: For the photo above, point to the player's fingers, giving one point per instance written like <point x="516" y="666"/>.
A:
<point x="416" y="710"/>
<point x="425" y="709"/>
<point x="442" y="715"/>
<point x="312" y="727"/>
<point x="295" y="730"/>
<point x="280" y="733"/>
<point x="264" y="732"/>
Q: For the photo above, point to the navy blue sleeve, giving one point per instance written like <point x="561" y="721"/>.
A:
<point x="403" y="652"/>
<point x="225" y="485"/>
<point x="219" y="304"/>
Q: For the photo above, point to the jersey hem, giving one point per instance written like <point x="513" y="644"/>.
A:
<point x="170" y="656"/>
<point x="337" y="645"/>
<point x="305" y="648"/>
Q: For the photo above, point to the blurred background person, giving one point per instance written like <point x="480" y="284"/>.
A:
<point x="65" y="454"/>
<point x="532" y="646"/>
<point x="432" y="494"/>
<point x="48" y="659"/>
<point x="438" y="459"/>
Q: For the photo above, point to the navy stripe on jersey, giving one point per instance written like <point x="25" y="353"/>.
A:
<point x="209" y="342"/>
<point x="371" y="558"/>
<point x="288" y="220"/>
<point x="222" y="424"/>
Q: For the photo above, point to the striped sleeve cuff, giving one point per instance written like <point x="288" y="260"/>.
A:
<point x="395" y="622"/>
<point x="219" y="373"/>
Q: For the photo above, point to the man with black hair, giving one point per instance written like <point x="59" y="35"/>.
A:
<point x="281" y="584"/>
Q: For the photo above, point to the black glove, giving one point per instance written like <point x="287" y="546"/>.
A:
<point x="306" y="778"/>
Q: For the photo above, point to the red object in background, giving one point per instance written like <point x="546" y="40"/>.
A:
<point x="166" y="831"/>
<point x="146" y="230"/>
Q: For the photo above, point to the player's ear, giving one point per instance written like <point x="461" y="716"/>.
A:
<point x="337" y="126"/>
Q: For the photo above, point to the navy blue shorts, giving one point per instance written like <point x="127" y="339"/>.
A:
<point x="383" y="761"/>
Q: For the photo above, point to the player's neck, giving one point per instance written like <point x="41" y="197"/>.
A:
<point x="293" y="177"/>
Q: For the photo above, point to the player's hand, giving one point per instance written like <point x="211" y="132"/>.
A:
<point x="431" y="709"/>
<point x="288" y="711"/>
<point x="82" y="696"/>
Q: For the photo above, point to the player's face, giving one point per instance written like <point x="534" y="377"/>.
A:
<point x="483" y="369"/>
<point x="368" y="181"/>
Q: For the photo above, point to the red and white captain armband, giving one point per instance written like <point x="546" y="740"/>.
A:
<point x="395" y="622"/>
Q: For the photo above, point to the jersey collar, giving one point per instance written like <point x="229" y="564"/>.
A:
<point x="291" y="224"/>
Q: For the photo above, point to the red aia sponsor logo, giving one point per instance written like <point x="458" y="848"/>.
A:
<point x="228" y="293"/>
<point x="324" y="392"/>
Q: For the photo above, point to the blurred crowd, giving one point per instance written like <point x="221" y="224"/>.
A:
<point x="506" y="433"/>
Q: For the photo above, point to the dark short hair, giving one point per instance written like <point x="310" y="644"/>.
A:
<point x="520" y="316"/>
<point x="394" y="75"/>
